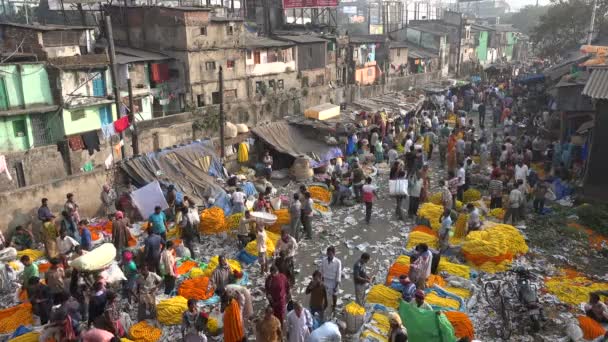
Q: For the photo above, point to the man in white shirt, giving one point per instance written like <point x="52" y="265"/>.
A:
<point x="462" y="175"/>
<point x="408" y="142"/>
<point x="474" y="221"/>
<point x="328" y="332"/>
<point x="516" y="200"/>
<point x="65" y="243"/>
<point x="238" y="201"/>
<point x="261" y="244"/>
<point x="331" y="269"/>
<point x="521" y="172"/>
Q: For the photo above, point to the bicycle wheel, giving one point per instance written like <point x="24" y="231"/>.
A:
<point x="491" y="293"/>
<point x="505" y="313"/>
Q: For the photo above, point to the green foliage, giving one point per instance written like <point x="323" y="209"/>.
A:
<point x="210" y="120"/>
<point x="526" y="19"/>
<point x="562" y="28"/>
<point x="594" y="216"/>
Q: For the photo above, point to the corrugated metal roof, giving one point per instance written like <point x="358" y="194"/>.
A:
<point x="597" y="85"/>
<point x="125" y="55"/>
<point x="253" y="42"/>
<point x="302" y="39"/>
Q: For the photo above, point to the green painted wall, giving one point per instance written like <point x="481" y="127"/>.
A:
<point x="482" y="48"/>
<point x="83" y="123"/>
<point x="9" y="139"/>
<point x="25" y="86"/>
<point x="510" y="44"/>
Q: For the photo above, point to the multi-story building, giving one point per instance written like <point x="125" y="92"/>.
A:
<point x="79" y="75"/>
<point x="27" y="107"/>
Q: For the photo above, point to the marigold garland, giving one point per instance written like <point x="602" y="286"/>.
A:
<point x="186" y="266"/>
<point x="13" y="317"/>
<point x="212" y="221"/>
<point x="380" y="294"/>
<point x="196" y="288"/>
<point x="463" y="327"/>
<point x="143" y="332"/>
<point x="572" y="287"/>
<point x="170" y="311"/>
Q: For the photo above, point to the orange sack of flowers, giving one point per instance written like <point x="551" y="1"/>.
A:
<point x="591" y="328"/>
<point x="426" y="229"/>
<point x="186" y="266"/>
<point x="196" y="288"/>
<point x="13" y="317"/>
<point x="461" y="323"/>
<point x="396" y="270"/>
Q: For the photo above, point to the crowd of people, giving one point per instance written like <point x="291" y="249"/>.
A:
<point x="497" y="156"/>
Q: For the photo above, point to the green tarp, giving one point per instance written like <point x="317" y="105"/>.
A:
<point x="425" y="325"/>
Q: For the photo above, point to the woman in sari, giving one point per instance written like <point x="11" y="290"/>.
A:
<point x="452" y="152"/>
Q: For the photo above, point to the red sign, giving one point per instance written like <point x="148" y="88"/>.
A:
<point x="309" y="3"/>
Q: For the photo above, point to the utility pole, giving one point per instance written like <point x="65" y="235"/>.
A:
<point x="590" y="37"/>
<point x="114" y="73"/>
<point x="221" y="79"/>
<point x="460" y="24"/>
<point x="134" y="133"/>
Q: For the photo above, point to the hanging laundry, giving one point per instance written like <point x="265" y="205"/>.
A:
<point x="121" y="124"/>
<point x="91" y="141"/>
<point x="76" y="143"/>
<point x="117" y="147"/>
<point x="108" y="131"/>
<point x="4" y="167"/>
<point x="108" y="162"/>
<point x="243" y="154"/>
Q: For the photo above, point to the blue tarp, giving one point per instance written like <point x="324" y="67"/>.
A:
<point x="531" y="78"/>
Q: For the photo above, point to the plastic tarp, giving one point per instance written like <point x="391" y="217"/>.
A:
<point x="148" y="197"/>
<point x="192" y="168"/>
<point x="293" y="141"/>
<point x="425" y="325"/>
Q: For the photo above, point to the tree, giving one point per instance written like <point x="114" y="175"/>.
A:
<point x="526" y="18"/>
<point x="565" y="26"/>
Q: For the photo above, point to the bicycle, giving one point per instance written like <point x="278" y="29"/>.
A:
<point x="499" y="295"/>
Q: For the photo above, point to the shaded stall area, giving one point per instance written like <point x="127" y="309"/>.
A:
<point x="192" y="169"/>
<point x="289" y="142"/>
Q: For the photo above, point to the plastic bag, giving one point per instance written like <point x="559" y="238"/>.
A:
<point x="398" y="187"/>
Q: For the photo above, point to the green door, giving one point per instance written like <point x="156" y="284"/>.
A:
<point x="3" y="96"/>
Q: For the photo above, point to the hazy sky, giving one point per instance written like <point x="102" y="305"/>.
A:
<point x="517" y="4"/>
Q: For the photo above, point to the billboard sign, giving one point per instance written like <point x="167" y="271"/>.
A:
<point x="309" y="3"/>
<point x="349" y="9"/>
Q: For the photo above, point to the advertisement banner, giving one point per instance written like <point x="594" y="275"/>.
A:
<point x="309" y="3"/>
<point x="349" y="9"/>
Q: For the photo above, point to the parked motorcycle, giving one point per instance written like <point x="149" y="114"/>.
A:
<point x="528" y="298"/>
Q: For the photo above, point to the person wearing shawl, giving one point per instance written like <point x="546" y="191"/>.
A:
<point x="397" y="333"/>
<point x="120" y="233"/>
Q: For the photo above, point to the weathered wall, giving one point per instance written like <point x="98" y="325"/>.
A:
<point x="40" y="165"/>
<point x="19" y="207"/>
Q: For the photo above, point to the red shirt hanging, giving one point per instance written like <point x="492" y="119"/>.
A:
<point x="121" y="124"/>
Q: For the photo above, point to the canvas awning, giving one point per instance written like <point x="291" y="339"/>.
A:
<point x="292" y="140"/>
<point x="192" y="168"/>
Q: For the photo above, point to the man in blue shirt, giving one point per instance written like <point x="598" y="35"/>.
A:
<point x="85" y="235"/>
<point x="158" y="223"/>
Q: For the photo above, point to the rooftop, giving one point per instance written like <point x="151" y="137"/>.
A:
<point x="434" y="28"/>
<point x="48" y="27"/>
<point x="253" y="42"/>
<point x="397" y="44"/>
<point x="371" y="38"/>
<point x="225" y="19"/>
<point x="479" y="27"/>
<point x="597" y="85"/>
<point x="125" y="55"/>
<point x="303" y="39"/>
<point x="505" y="28"/>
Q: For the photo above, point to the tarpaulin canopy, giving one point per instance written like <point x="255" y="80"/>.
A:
<point x="531" y="78"/>
<point x="293" y="141"/>
<point x="192" y="168"/>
